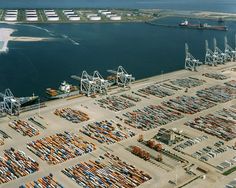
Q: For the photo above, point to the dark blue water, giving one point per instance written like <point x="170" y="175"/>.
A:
<point x="210" y="5"/>
<point x="144" y="50"/>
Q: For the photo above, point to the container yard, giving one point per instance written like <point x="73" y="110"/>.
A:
<point x="189" y="104"/>
<point x="108" y="172"/>
<point x="47" y="181"/>
<point x="107" y="132"/>
<point x="151" y="117"/>
<point x="115" y="103"/>
<point x="217" y="93"/>
<point x="15" y="164"/>
<point x="228" y="113"/>
<point x="131" y="97"/>
<point x="3" y="136"/>
<point x="60" y="147"/>
<point x="188" y="82"/>
<point x="156" y="90"/>
<point x="24" y="128"/>
<point x="231" y="83"/>
<point x="75" y="134"/>
<point x="75" y="116"/>
<point x="216" y="76"/>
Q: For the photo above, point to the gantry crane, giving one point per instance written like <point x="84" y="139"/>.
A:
<point x="220" y="56"/>
<point x="9" y="104"/>
<point x="123" y="79"/>
<point x="229" y="51"/>
<point x="210" y="57"/>
<point x="190" y="62"/>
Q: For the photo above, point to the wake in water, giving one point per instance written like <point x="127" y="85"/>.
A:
<point x="70" y="39"/>
<point x="53" y="34"/>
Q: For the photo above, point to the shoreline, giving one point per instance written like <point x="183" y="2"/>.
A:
<point x="5" y="37"/>
<point x="153" y="79"/>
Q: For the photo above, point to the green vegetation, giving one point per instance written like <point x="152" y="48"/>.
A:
<point x="231" y="170"/>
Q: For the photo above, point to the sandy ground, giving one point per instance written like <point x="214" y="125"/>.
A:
<point x="29" y="39"/>
<point x="5" y="36"/>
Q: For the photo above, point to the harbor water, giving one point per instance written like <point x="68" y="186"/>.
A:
<point x="144" y="50"/>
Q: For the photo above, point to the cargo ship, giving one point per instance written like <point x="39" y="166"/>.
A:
<point x="204" y="26"/>
<point x="26" y="101"/>
<point x="65" y="90"/>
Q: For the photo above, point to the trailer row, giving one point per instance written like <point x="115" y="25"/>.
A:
<point x="60" y="147"/>
<point x="107" y="132"/>
<point x="108" y="171"/>
<point x="151" y="117"/>
<point x="220" y="127"/>
<point x="75" y="116"/>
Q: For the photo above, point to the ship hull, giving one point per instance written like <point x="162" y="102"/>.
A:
<point x="26" y="101"/>
<point x="64" y="95"/>
<point x="219" y="28"/>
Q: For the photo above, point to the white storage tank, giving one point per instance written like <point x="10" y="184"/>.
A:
<point x="100" y="11"/>
<point x="31" y="14"/>
<point x="95" y="18"/>
<point x="53" y="18"/>
<point x="51" y="14"/>
<point x="105" y="13"/>
<point x="12" y="11"/>
<point x="90" y="15"/>
<point x="49" y="10"/>
<point x="69" y="12"/>
<point x="10" y="18"/>
<point x="74" y="18"/>
<point x="115" y="18"/>
<point x="109" y="15"/>
<point x="32" y="18"/>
